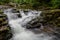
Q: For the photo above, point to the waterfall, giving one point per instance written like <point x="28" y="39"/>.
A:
<point x="10" y="15"/>
<point x="20" y="32"/>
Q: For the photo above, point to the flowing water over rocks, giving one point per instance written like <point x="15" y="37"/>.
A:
<point x="21" y="28"/>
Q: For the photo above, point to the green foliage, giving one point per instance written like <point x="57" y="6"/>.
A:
<point x="4" y="1"/>
<point x="35" y="3"/>
<point x="55" y="3"/>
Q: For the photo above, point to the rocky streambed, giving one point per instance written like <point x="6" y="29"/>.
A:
<point x="48" y="22"/>
<point x="49" y="19"/>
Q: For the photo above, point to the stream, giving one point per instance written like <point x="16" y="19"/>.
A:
<point x="19" y="31"/>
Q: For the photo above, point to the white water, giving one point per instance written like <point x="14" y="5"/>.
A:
<point x="21" y="33"/>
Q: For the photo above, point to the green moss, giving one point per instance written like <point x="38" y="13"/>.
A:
<point x="1" y="12"/>
<point x="51" y="17"/>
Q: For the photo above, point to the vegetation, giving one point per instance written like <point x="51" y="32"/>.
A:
<point x="35" y="3"/>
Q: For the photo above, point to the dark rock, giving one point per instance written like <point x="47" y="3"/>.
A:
<point x="5" y="30"/>
<point x="51" y="17"/>
<point x="33" y="24"/>
<point x="15" y="11"/>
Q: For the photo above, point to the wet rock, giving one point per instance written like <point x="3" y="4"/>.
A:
<point x="57" y="36"/>
<point x="5" y="30"/>
<point x="51" y="17"/>
<point x="29" y="26"/>
<point x="15" y="11"/>
<point x="33" y="24"/>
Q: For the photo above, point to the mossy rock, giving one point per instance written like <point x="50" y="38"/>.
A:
<point x="12" y="4"/>
<point x="1" y="12"/>
<point x="5" y="30"/>
<point x="51" y="17"/>
<point x="3" y="16"/>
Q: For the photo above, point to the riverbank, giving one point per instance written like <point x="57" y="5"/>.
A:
<point x="18" y="6"/>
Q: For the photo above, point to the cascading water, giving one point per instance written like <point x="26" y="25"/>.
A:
<point x="20" y="32"/>
<point x="10" y="14"/>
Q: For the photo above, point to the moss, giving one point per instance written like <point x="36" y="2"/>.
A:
<point x="1" y="12"/>
<point x="50" y="19"/>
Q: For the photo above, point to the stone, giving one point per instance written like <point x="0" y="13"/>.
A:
<point x="15" y="11"/>
<point x="5" y="30"/>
